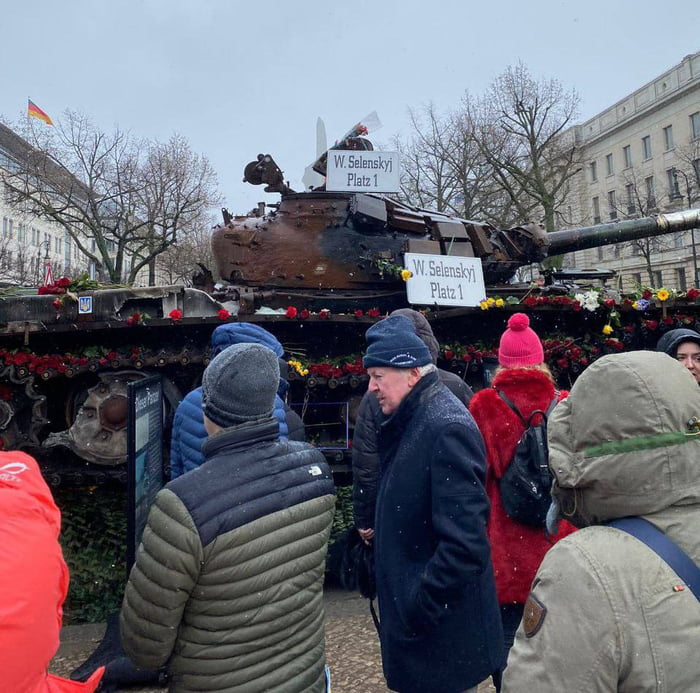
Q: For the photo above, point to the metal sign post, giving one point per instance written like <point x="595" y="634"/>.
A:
<point x="145" y="469"/>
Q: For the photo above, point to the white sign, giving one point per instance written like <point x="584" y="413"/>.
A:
<point x="84" y="305"/>
<point x="362" y="171"/>
<point x="444" y="280"/>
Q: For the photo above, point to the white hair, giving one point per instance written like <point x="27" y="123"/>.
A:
<point x="428" y="368"/>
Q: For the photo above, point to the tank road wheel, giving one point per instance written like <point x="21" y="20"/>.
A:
<point x="98" y="417"/>
<point x="22" y="410"/>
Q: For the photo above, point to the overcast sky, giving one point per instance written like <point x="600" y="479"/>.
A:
<point x="237" y="77"/>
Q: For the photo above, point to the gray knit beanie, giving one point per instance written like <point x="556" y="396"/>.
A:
<point x="240" y="385"/>
<point x="393" y="343"/>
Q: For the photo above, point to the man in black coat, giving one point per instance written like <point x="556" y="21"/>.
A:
<point x="365" y="456"/>
<point x="440" y="623"/>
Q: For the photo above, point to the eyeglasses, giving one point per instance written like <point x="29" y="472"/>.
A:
<point x="695" y="358"/>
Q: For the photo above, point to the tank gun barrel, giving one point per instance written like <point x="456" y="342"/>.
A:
<point x="569" y="240"/>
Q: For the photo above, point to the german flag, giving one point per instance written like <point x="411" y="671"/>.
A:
<point x="33" y="111"/>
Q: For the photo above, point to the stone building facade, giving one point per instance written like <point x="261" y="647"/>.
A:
<point x="642" y="157"/>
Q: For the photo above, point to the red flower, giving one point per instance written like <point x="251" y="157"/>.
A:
<point x="224" y="314"/>
<point x="304" y="314"/>
<point x="449" y="354"/>
<point x="577" y="307"/>
<point x="291" y="312"/>
<point x="691" y="294"/>
<point x="646" y="294"/>
<point x="651" y="325"/>
<point x="63" y="282"/>
<point x="530" y="301"/>
<point x="359" y="313"/>
<point x="373" y="313"/>
<point x="609" y="302"/>
<point x="175" y="314"/>
<point x="57" y="303"/>
<point x="133" y="319"/>
<point x="466" y="358"/>
<point x="324" y="314"/>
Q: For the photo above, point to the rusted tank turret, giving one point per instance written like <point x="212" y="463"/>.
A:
<point x="322" y="245"/>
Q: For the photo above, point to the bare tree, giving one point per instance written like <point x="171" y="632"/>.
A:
<point x="640" y="200"/>
<point x="522" y="128"/>
<point x="119" y="198"/>
<point x="182" y="260"/>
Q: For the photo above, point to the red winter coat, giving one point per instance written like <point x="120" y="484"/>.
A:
<point x="33" y="581"/>
<point x="517" y="549"/>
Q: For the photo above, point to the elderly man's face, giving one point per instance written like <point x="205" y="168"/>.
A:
<point x="391" y="385"/>
<point x="688" y="353"/>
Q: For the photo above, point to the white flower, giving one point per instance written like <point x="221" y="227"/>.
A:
<point x="589" y="300"/>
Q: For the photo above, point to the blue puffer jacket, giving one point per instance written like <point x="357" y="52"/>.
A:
<point x="188" y="423"/>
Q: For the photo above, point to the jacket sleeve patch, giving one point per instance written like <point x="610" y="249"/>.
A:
<point x="533" y="615"/>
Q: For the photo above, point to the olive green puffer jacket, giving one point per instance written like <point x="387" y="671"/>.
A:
<point x="227" y="585"/>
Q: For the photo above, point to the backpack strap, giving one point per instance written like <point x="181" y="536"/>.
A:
<point x="665" y="548"/>
<point x="526" y="422"/>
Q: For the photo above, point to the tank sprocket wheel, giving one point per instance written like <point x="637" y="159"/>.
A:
<point x="22" y="409"/>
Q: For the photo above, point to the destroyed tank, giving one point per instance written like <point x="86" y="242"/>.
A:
<point x="315" y="271"/>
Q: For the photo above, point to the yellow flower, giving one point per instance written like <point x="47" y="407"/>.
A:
<point x="500" y="303"/>
<point x="635" y="305"/>
<point x="406" y="274"/>
<point x="491" y="302"/>
<point x="607" y="329"/>
<point x="662" y="294"/>
<point x="484" y="305"/>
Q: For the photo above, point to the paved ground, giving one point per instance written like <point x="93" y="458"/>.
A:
<point x="352" y="648"/>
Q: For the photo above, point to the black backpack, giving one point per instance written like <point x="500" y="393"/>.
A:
<point x="526" y="484"/>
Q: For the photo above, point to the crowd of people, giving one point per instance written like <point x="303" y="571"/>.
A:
<point x="226" y="590"/>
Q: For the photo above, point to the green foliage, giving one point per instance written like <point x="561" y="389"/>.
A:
<point x="343" y="518"/>
<point x="93" y="537"/>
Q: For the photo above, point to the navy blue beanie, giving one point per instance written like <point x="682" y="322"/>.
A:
<point x="393" y="343"/>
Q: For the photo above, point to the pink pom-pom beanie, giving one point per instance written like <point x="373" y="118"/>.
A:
<point x="520" y="346"/>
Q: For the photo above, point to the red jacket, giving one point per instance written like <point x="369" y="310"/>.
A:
<point x="33" y="581"/>
<point x="516" y="549"/>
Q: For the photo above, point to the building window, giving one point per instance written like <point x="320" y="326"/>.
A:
<point x="696" y="171"/>
<point x="22" y="233"/>
<point x="646" y="147"/>
<point x="636" y="250"/>
<point x="678" y="239"/>
<point x="627" y="154"/>
<point x="600" y="252"/>
<point x="593" y="168"/>
<point x="609" y="168"/>
<point x="637" y="279"/>
<point x="629" y="192"/>
<point x="35" y="236"/>
<point x="658" y="279"/>
<point x="668" y="137"/>
<point x="681" y="282"/>
<point x="651" y="194"/>
<point x="59" y="245"/>
<point x="5" y="220"/>
<point x="695" y="125"/>
<point x="673" y="192"/>
<point x="612" y="206"/>
<point x="596" y="210"/>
